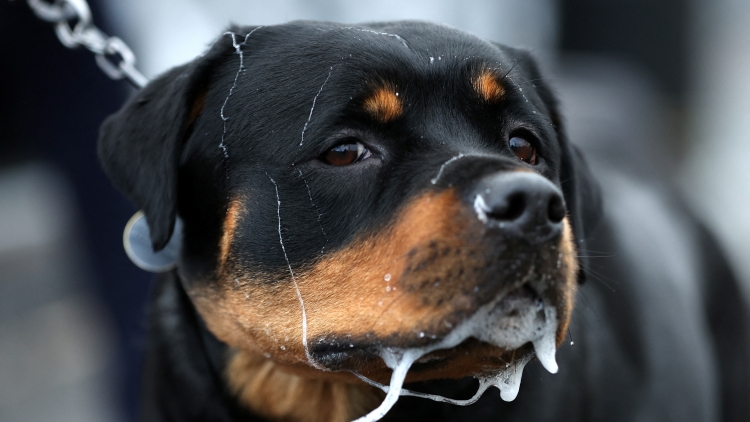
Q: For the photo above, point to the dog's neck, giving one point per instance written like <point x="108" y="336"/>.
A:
<point x="278" y="393"/>
<point x="183" y="363"/>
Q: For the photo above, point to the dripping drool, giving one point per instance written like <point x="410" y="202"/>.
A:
<point x="534" y="321"/>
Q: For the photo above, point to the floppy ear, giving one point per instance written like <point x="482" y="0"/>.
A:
<point x="581" y="191"/>
<point x="140" y="145"/>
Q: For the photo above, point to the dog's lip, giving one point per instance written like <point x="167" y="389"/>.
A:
<point x="495" y="358"/>
<point x="358" y="356"/>
<point x="522" y="303"/>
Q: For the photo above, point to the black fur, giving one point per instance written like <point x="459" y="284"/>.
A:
<point x="616" y="371"/>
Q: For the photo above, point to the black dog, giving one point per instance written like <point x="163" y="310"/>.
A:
<point x="360" y="198"/>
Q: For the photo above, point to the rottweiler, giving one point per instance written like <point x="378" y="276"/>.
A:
<point x="368" y="205"/>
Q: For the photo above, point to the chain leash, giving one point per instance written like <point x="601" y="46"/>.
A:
<point x="74" y="27"/>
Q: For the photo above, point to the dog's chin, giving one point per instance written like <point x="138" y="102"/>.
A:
<point x="510" y="328"/>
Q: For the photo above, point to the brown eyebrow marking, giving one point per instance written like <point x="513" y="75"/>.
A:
<point x="487" y="84"/>
<point x="230" y="225"/>
<point x="384" y="104"/>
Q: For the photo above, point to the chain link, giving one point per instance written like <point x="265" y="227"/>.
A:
<point x="74" y="28"/>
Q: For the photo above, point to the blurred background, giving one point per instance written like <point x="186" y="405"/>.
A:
<point x="657" y="89"/>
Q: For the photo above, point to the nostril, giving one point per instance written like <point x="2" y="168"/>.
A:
<point x="510" y="209"/>
<point x="556" y="209"/>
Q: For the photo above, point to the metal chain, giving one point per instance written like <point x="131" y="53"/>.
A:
<point x="74" y="28"/>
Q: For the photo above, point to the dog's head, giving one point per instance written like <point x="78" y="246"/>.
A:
<point x="350" y="190"/>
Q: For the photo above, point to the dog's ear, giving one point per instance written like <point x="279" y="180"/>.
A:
<point x="581" y="191"/>
<point x="140" y="145"/>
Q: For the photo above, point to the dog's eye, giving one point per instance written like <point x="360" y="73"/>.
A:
<point x="345" y="153"/>
<point x="523" y="149"/>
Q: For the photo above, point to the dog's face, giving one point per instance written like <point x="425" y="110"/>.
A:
<point x="350" y="189"/>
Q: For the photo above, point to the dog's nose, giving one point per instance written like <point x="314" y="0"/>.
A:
<point x="520" y="203"/>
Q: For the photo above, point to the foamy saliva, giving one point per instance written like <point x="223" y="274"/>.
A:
<point x="534" y="322"/>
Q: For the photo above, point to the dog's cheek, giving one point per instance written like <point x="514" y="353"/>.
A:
<point x="245" y="308"/>
<point x="278" y="393"/>
<point x="258" y="315"/>
<point x="371" y="288"/>
<point x="368" y="288"/>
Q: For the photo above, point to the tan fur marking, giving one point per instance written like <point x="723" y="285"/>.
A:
<point x="384" y="104"/>
<point x="230" y="225"/>
<point x="569" y="265"/>
<point x="488" y="86"/>
<point x="278" y="394"/>
<point x="196" y="109"/>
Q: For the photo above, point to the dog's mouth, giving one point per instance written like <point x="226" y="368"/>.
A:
<point x="494" y="345"/>
<point x="514" y="327"/>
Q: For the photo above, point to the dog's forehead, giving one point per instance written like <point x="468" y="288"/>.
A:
<point x="299" y="80"/>
<point x="296" y="57"/>
<point x="407" y="39"/>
